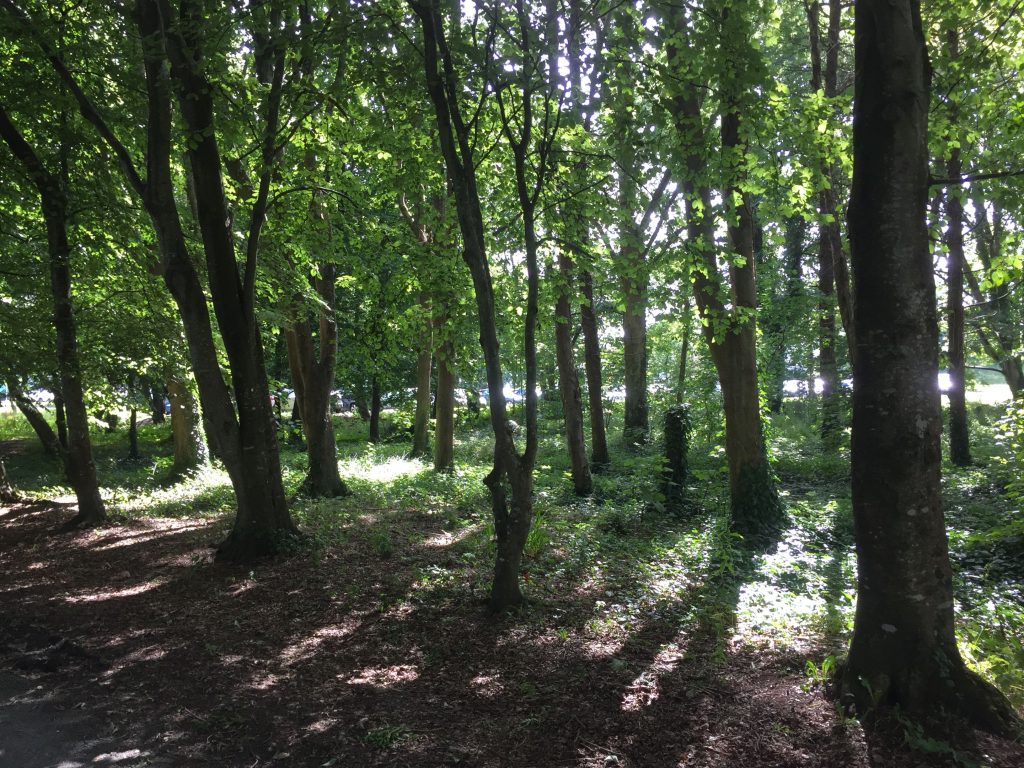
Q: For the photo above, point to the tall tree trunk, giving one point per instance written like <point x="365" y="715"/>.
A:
<point x="757" y="513"/>
<point x="684" y="353"/>
<point x="903" y="650"/>
<point x="78" y="460"/>
<point x="568" y="381"/>
<point x="444" y="423"/>
<point x="959" y="436"/>
<point x="828" y="239"/>
<point x="599" y="458"/>
<point x="512" y="518"/>
<point x="186" y="428"/>
<point x="421" y="419"/>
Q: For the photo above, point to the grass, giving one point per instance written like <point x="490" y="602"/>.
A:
<point x="634" y="565"/>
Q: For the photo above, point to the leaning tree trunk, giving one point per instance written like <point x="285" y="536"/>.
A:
<point x="903" y="651"/>
<point x="47" y="437"/>
<point x="186" y="428"/>
<point x="78" y="460"/>
<point x="569" y="383"/>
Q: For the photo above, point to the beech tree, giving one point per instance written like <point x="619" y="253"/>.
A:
<point x="903" y="650"/>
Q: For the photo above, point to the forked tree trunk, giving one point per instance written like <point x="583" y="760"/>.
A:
<point x="757" y="513"/>
<point x="78" y="460"/>
<point x="313" y="377"/>
<point x="904" y="651"/>
<point x="569" y="383"/>
<point x="186" y="428"/>
<point x="444" y="422"/>
<point x="512" y="517"/>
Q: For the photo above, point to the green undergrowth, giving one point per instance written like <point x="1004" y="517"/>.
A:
<point x="621" y="568"/>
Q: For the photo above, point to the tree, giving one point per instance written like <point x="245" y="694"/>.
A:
<point x="727" y="306"/>
<point x="51" y="187"/>
<point x="903" y="650"/>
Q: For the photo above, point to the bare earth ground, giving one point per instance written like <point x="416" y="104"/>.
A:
<point x="149" y="653"/>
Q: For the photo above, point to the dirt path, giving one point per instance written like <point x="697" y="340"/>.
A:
<point x="41" y="729"/>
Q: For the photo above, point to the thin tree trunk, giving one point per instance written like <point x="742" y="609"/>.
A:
<point x="684" y="353"/>
<point x="421" y="419"/>
<point x="186" y="428"/>
<point x="828" y="238"/>
<point x="156" y="401"/>
<point x="959" y="435"/>
<point x="599" y="458"/>
<point x="133" y="435"/>
<point x="903" y="652"/>
<point x="569" y="383"/>
<point x="81" y="469"/>
<point x="444" y="423"/>
<point x="375" y="409"/>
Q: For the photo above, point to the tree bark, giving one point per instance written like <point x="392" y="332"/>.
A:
<point x="512" y="518"/>
<point x="313" y="376"/>
<point x="47" y="437"/>
<point x="8" y="493"/>
<point x="757" y="513"/>
<point x="959" y="436"/>
<point x="830" y="404"/>
<point x="569" y="383"/>
<point x="903" y="650"/>
<point x="421" y="419"/>
<point x="444" y="422"/>
<point x="156" y="400"/>
<point x="186" y="428"/>
<point x="60" y="417"/>
<point x="599" y="458"/>
<point x="375" y="409"/>
<point x="78" y="459"/>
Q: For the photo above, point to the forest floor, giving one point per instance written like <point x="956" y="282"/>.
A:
<point x="648" y="640"/>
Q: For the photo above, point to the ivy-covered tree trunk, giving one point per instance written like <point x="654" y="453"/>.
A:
<point x="903" y="651"/>
<point x="186" y="428"/>
<point x="78" y="461"/>
<point x="569" y="383"/>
